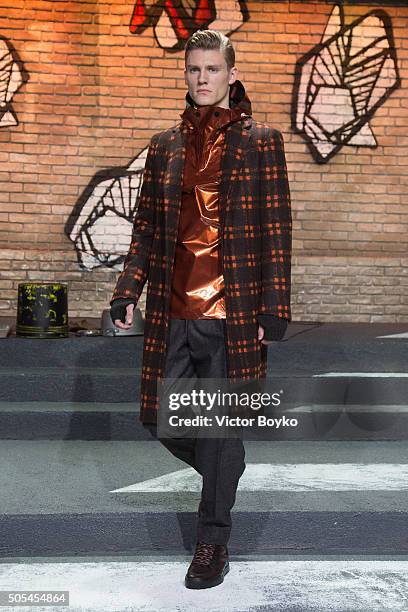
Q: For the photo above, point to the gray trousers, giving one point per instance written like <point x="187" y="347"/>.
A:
<point x="197" y="348"/>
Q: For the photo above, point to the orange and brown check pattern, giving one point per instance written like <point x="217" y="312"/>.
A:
<point x="255" y="215"/>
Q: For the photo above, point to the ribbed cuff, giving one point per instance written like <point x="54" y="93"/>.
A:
<point x="118" y="309"/>
<point x="274" y="327"/>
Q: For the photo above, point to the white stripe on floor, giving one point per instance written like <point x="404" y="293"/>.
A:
<point x="290" y="477"/>
<point x="298" y="585"/>
<point x="400" y="335"/>
<point x="362" y="375"/>
<point x="346" y="408"/>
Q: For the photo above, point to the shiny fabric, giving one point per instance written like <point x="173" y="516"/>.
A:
<point x="198" y="285"/>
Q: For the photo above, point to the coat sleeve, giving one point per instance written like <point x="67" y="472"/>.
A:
<point x="276" y="228"/>
<point x="131" y="280"/>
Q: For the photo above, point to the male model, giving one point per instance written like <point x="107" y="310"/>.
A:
<point x="212" y="235"/>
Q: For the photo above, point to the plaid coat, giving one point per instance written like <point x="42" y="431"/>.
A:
<point x="256" y="224"/>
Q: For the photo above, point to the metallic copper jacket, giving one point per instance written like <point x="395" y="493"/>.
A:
<point x="198" y="284"/>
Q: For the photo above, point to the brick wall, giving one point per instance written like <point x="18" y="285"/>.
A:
<point x="93" y="96"/>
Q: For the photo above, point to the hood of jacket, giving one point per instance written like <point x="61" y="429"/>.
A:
<point x="198" y="117"/>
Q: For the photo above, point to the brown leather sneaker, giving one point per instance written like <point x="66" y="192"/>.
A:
<point x="208" y="567"/>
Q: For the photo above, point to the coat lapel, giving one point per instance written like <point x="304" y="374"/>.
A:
<point x="237" y="139"/>
<point x="172" y="194"/>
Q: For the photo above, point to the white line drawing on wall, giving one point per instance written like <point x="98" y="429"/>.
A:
<point x="342" y="81"/>
<point x="100" y="226"/>
<point x="11" y="79"/>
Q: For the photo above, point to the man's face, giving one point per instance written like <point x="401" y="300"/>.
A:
<point x="206" y="69"/>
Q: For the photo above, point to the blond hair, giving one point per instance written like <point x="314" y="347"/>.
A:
<point x="212" y="39"/>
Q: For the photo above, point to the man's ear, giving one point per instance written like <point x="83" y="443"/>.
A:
<point x="233" y="75"/>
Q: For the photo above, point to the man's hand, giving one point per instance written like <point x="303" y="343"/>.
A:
<point x="129" y="318"/>
<point x="261" y="335"/>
